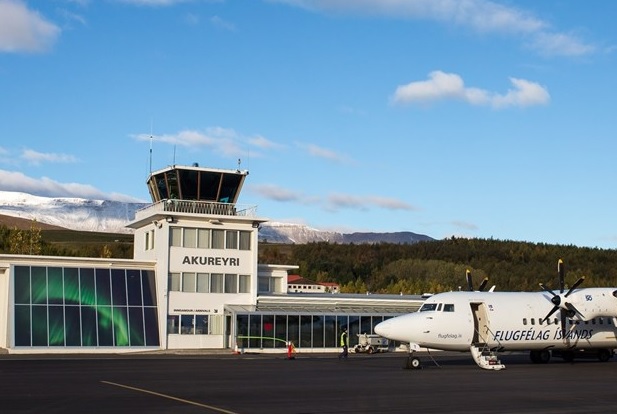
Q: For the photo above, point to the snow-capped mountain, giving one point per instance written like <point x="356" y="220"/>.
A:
<point x="112" y="216"/>
<point x="71" y="213"/>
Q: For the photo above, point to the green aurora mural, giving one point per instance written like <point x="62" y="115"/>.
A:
<point x="85" y="307"/>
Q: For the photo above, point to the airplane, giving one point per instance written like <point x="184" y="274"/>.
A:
<point x="567" y="324"/>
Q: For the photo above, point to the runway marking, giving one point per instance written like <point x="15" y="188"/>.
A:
<point x="158" y="394"/>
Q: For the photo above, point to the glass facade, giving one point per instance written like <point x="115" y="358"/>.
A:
<point x="254" y="330"/>
<point x="194" y="184"/>
<point x="85" y="307"/>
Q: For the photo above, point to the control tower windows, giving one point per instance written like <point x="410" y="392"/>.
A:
<point x="210" y="238"/>
<point x="174" y="282"/>
<point x="218" y="239"/>
<point x="203" y="238"/>
<point x="244" y="283"/>
<point x="245" y="240"/>
<point x="231" y="239"/>
<point x="189" y="282"/>
<point x="203" y="282"/>
<point x="231" y="283"/>
<point x="198" y="184"/>
<point x="209" y="283"/>
<point x="216" y="283"/>
<point x="190" y="237"/>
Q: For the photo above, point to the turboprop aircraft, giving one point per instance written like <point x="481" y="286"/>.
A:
<point x="565" y="324"/>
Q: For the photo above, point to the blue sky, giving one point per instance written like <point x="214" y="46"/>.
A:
<point x="448" y="118"/>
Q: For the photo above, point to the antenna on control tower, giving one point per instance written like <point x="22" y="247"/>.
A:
<point x="151" y="146"/>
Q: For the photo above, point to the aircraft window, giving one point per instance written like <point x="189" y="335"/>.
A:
<point x="601" y="320"/>
<point x="539" y="321"/>
<point x="533" y="321"/>
<point x="555" y="321"/>
<point x="428" y="307"/>
<point x="439" y="308"/>
<point x="524" y="321"/>
<point x="448" y="307"/>
<point x="593" y="321"/>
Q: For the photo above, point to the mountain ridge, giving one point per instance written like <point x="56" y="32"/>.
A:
<point x="112" y="216"/>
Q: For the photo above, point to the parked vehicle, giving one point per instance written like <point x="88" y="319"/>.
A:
<point x="371" y="344"/>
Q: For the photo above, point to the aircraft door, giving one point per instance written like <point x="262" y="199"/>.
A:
<point x="481" y="324"/>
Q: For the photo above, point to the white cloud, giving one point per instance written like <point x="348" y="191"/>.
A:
<point x="560" y="44"/>
<point x="46" y="187"/>
<point x="222" y="24"/>
<point x="24" y="30"/>
<point x="525" y="93"/>
<point x="338" y="201"/>
<point x="274" y="192"/>
<point x="225" y="141"/>
<point x="264" y="143"/>
<point x="333" y="202"/>
<point x="320" y="152"/>
<point x="36" y="157"/>
<point x="442" y="86"/>
<point x="483" y="16"/>
<point x="464" y="225"/>
<point x="154" y="2"/>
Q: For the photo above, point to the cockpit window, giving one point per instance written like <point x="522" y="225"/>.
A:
<point x="427" y="307"/>
<point x="448" y="307"/>
<point x="439" y="308"/>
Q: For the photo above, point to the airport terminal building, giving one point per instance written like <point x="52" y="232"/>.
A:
<point x="194" y="283"/>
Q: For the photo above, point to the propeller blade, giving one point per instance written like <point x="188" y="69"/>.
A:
<point x="547" y="289"/>
<point x="555" y="309"/>
<point x="469" y="282"/>
<point x="572" y="311"/>
<point x="563" y="324"/>
<point x="575" y="285"/>
<point x="562" y="272"/>
<point x="483" y="284"/>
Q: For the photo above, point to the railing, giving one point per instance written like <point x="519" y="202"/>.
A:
<point x="199" y="207"/>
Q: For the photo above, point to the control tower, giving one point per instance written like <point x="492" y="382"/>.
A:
<point x="205" y="247"/>
<point x="195" y="183"/>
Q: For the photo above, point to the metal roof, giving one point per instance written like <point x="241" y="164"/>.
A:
<point x="339" y="304"/>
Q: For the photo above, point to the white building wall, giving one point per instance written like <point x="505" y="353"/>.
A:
<point x="4" y="306"/>
<point x="177" y="259"/>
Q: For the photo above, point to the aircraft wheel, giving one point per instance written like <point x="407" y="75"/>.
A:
<point x="544" y="356"/>
<point x="370" y="350"/>
<point x="412" y="363"/>
<point x="604" y="355"/>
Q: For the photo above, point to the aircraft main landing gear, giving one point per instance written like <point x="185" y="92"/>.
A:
<point x="540" y="357"/>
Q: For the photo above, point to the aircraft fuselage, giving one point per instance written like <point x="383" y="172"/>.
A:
<point x="509" y="321"/>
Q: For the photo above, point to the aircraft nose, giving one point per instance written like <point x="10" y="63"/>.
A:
<point x="393" y="329"/>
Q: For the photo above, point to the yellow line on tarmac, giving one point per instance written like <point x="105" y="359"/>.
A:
<point x="220" y="410"/>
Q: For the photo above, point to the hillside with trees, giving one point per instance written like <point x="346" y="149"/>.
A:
<point x="423" y="267"/>
<point x="438" y="266"/>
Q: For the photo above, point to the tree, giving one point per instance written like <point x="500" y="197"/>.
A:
<point x="25" y="241"/>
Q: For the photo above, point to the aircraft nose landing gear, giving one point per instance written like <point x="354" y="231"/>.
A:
<point x="412" y="362"/>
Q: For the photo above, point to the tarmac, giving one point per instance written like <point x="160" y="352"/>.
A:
<point x="217" y="381"/>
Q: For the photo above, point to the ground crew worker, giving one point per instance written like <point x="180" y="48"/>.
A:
<point x="344" y="344"/>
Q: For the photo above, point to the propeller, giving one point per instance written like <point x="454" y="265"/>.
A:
<point x="470" y="282"/>
<point x="559" y="303"/>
